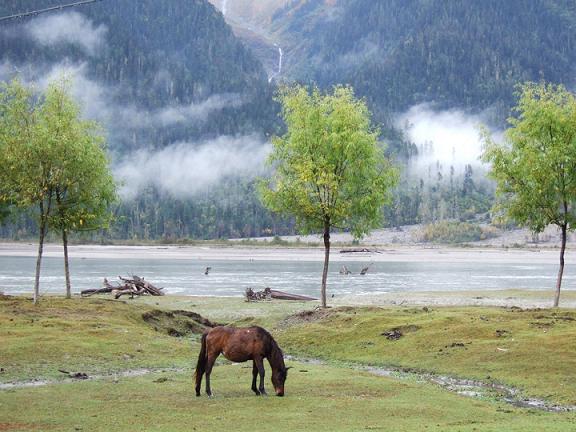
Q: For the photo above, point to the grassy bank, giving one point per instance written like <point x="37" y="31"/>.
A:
<point x="534" y="350"/>
<point x="98" y="336"/>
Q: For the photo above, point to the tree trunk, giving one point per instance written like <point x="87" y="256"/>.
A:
<point x="66" y="264"/>
<point x="561" y="270"/>
<point x="40" y="249"/>
<point x="326" y="260"/>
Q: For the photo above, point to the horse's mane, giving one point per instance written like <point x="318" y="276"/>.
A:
<point x="276" y="354"/>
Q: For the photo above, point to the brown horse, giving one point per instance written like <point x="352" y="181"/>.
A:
<point x="240" y="345"/>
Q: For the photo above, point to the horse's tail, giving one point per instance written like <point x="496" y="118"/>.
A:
<point x="201" y="365"/>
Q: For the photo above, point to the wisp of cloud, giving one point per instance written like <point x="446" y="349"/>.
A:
<point x="183" y="170"/>
<point x="67" y="28"/>
<point x="450" y="138"/>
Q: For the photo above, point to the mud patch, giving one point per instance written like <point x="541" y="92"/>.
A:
<point x="177" y="323"/>
<point x="114" y="376"/>
<point x="476" y="389"/>
<point x="317" y="314"/>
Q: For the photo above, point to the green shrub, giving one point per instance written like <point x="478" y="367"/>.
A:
<point x="454" y="232"/>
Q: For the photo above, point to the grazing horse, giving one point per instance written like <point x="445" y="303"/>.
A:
<point x="240" y="345"/>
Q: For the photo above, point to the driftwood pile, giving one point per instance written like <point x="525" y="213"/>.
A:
<point x="252" y="295"/>
<point x="136" y="286"/>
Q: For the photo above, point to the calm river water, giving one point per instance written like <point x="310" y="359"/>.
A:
<point x="231" y="278"/>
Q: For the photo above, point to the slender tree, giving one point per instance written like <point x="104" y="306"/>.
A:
<point x="27" y="174"/>
<point x="86" y="188"/>
<point x="535" y="168"/>
<point x="330" y="171"/>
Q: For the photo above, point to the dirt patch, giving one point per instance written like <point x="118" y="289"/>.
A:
<point x="177" y="323"/>
<point x="17" y="426"/>
<point x="313" y="315"/>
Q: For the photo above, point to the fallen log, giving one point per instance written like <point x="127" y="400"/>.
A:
<point x="287" y="296"/>
<point x="269" y="294"/>
<point x="360" y="250"/>
<point x="107" y="289"/>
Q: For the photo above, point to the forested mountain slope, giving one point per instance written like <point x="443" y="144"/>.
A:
<point x="185" y="105"/>
<point x="167" y="71"/>
<point x="461" y="53"/>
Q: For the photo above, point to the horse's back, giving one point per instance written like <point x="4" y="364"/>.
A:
<point x="238" y="344"/>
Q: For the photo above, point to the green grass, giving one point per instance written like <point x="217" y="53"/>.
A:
<point x="533" y="350"/>
<point x="99" y="336"/>
<point x="320" y="399"/>
<point x="88" y="335"/>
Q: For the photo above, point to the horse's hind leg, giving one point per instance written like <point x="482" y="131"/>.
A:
<point x="259" y="363"/>
<point x="209" y="365"/>
<point x="254" y="375"/>
<point x="198" y="382"/>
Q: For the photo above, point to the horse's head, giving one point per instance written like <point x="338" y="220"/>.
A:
<point x="279" y="376"/>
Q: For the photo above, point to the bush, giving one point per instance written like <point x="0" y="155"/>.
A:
<point x="454" y="232"/>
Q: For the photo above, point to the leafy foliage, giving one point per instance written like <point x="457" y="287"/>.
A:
<point x="535" y="169"/>
<point x="329" y="166"/>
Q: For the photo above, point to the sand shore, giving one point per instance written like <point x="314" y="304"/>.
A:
<point x="383" y="254"/>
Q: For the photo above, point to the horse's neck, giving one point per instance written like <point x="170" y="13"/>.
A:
<point x="276" y="358"/>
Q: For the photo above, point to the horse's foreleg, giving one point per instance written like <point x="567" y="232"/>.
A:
<point x="209" y="365"/>
<point x="254" y="375"/>
<point x="260" y="366"/>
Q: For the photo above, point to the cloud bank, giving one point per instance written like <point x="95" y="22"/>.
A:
<point x="67" y="28"/>
<point x="447" y="138"/>
<point x="185" y="169"/>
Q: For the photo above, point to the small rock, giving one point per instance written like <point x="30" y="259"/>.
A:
<point x="393" y="334"/>
<point x="455" y="345"/>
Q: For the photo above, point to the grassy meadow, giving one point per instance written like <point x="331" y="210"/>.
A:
<point x="533" y="350"/>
